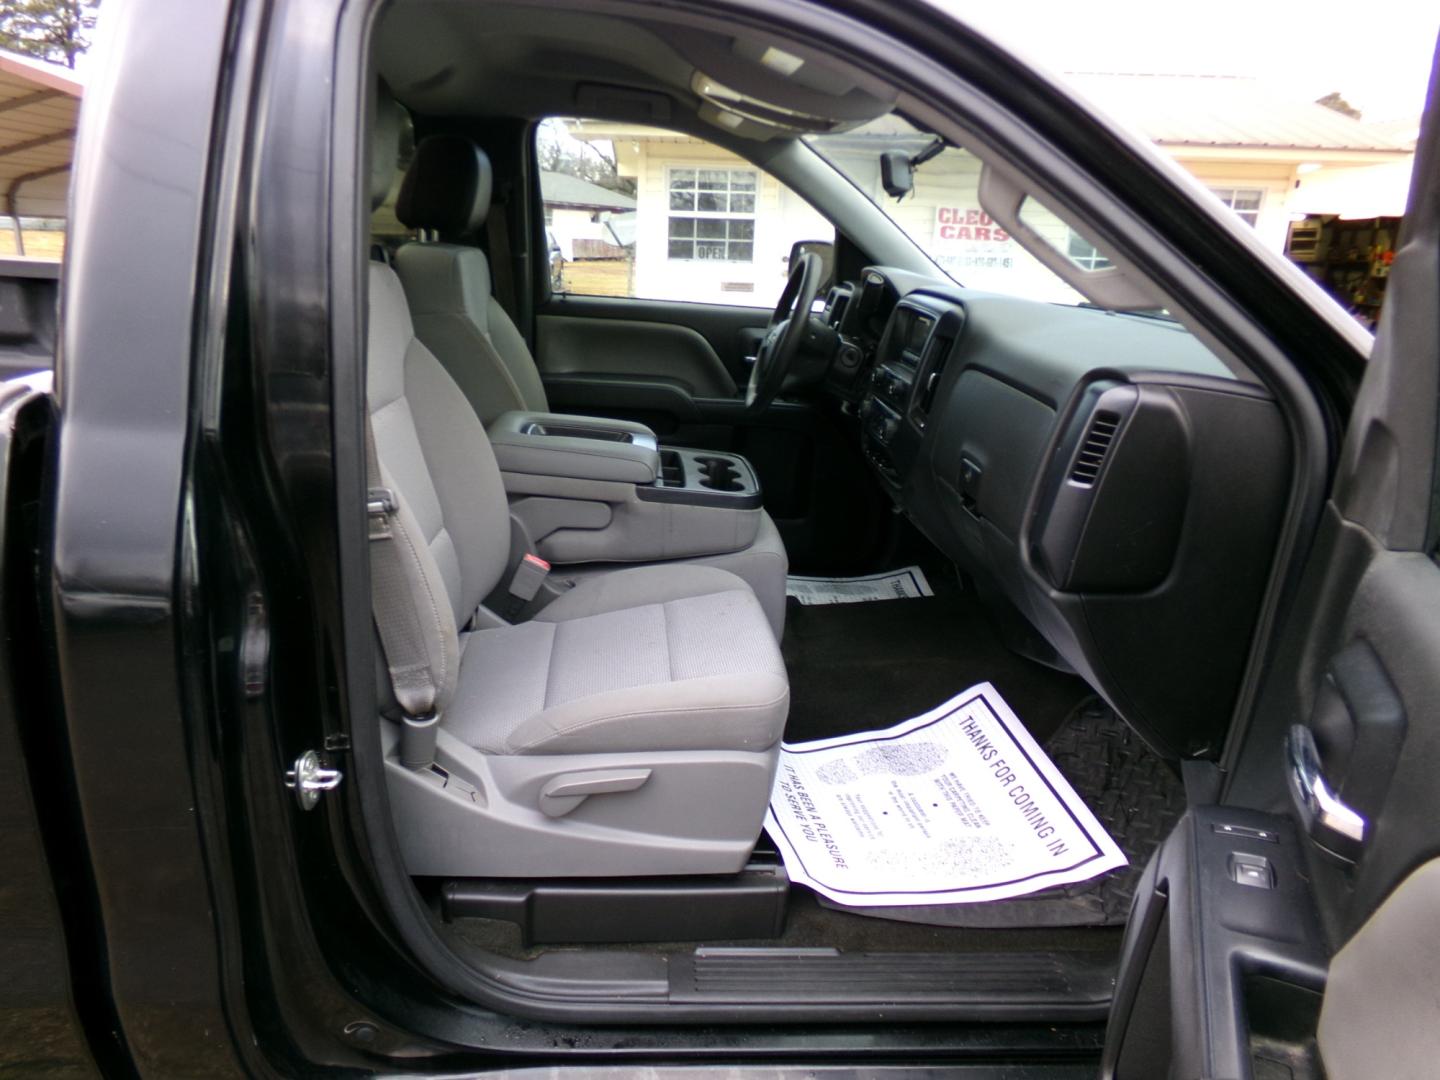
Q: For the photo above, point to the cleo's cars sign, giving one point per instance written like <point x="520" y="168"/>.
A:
<point x="967" y="238"/>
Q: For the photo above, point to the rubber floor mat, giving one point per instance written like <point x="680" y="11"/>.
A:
<point x="1136" y="796"/>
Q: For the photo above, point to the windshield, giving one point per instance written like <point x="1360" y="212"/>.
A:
<point x="943" y="216"/>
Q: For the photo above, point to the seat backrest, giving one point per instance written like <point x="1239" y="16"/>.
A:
<point x="434" y="453"/>
<point x="447" y="190"/>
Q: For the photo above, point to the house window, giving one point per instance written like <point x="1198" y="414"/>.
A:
<point x="1085" y="254"/>
<point x="1244" y="201"/>
<point x="712" y="214"/>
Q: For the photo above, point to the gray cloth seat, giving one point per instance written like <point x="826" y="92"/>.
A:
<point x="630" y="661"/>
<point x="632" y="728"/>
<point x="447" y="191"/>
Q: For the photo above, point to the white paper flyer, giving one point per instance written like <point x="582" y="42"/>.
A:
<point x="957" y="806"/>
<point x="903" y="584"/>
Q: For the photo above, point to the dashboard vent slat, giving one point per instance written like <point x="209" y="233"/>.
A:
<point x="939" y="352"/>
<point x="1096" y="445"/>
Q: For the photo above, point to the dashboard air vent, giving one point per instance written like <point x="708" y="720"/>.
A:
<point x="939" y="354"/>
<point x="1091" y="457"/>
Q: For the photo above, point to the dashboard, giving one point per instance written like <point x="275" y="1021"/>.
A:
<point x="1113" y="491"/>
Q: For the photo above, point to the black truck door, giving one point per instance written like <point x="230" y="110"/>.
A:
<point x="1294" y="929"/>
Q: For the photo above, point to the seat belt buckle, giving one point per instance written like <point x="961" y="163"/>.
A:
<point x="380" y="503"/>
<point x="418" y="736"/>
<point x="528" y="578"/>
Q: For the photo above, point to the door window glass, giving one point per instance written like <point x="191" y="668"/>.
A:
<point x="639" y="211"/>
<point x="1244" y="201"/>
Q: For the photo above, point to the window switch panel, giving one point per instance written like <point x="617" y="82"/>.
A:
<point x="1251" y="870"/>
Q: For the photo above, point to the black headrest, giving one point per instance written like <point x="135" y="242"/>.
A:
<point x="384" y="143"/>
<point x="447" y="187"/>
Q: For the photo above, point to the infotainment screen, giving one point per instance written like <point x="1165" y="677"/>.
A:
<point x="919" y="332"/>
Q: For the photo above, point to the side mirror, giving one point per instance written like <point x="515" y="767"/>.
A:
<point x="825" y="251"/>
<point x="896" y="175"/>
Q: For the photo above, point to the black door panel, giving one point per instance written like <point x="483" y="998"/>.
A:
<point x="1344" y="740"/>
<point x="570" y="345"/>
<point x="1365" y="679"/>
<point x="731" y="331"/>
<point x="662" y="405"/>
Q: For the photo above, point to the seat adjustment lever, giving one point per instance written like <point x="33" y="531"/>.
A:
<point x="565" y="792"/>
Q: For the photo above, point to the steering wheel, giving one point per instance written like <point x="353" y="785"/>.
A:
<point x="784" y="333"/>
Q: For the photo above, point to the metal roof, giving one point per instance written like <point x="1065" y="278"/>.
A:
<point x="562" y="189"/>
<point x="38" y="106"/>
<point x="1230" y="111"/>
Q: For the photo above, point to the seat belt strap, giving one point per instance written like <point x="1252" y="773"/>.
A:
<point x="396" y="620"/>
<point x="502" y="269"/>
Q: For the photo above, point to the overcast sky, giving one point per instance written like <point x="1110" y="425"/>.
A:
<point x="1376" y="53"/>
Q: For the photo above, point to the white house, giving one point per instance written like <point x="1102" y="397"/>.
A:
<point x="709" y="226"/>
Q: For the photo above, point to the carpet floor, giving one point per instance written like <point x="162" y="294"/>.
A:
<point x="859" y="667"/>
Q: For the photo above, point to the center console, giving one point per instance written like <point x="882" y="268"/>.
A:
<point x="901" y="386"/>
<point x="585" y="489"/>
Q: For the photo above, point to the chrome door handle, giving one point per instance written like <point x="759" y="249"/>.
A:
<point x="1329" y="822"/>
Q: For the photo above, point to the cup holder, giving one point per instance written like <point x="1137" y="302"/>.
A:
<point x="703" y="478"/>
<point x="672" y="470"/>
<point x="719" y="474"/>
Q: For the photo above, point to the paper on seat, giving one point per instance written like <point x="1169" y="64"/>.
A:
<point x="903" y="584"/>
<point x="959" y="805"/>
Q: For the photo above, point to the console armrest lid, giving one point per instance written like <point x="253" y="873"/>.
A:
<point x="579" y="447"/>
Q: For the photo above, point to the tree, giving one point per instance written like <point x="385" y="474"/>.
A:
<point x="559" y="151"/>
<point x="1333" y="100"/>
<point x="53" y="30"/>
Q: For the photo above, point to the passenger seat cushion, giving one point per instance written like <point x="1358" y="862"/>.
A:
<point x="684" y="667"/>
<point x="638" y="586"/>
<point x="763" y="566"/>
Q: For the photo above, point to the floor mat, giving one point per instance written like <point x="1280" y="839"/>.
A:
<point x="958" y="805"/>
<point x="1133" y="793"/>
<point x="857" y="667"/>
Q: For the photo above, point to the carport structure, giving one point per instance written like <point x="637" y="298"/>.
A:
<point x="39" y="103"/>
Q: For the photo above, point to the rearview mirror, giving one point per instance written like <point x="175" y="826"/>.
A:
<point x="825" y="250"/>
<point x="896" y="175"/>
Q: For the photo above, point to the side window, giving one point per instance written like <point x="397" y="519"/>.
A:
<point x="1244" y="201"/>
<point x="712" y="214"/>
<point x="638" y="211"/>
<point x="1260" y="205"/>
<point x="385" y="228"/>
